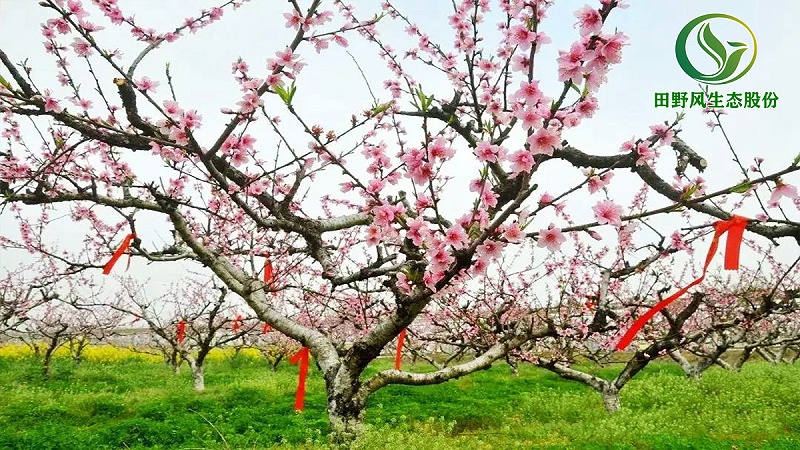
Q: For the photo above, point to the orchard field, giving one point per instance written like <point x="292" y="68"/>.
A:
<point x="114" y="401"/>
<point x="397" y="224"/>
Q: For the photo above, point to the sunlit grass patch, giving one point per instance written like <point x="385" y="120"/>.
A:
<point x="134" y="403"/>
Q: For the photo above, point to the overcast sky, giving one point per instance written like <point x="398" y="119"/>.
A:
<point x="332" y="89"/>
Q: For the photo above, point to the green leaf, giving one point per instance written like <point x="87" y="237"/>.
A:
<point x="280" y="91"/>
<point x="737" y="44"/>
<point x="420" y="97"/>
<point x="712" y="46"/>
<point x="474" y="231"/>
<point x="383" y="107"/>
<point x="796" y="160"/>
<point x="425" y="102"/>
<point x="5" y="83"/>
<point x="689" y="192"/>
<point x="414" y="274"/>
<point x="741" y="188"/>
<point x="285" y="94"/>
<point x="292" y="90"/>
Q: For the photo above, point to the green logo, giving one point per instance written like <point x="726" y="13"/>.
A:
<point x="729" y="66"/>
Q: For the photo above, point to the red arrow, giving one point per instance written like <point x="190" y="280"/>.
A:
<point x="301" y="357"/>
<point x="268" y="271"/>
<point x="181" y="331"/>
<point x="735" y="227"/>
<point x="398" y="356"/>
<point x="117" y="254"/>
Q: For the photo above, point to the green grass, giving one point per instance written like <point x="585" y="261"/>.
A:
<point x="142" y="405"/>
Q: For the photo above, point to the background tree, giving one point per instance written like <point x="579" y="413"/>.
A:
<point x="57" y="322"/>
<point x="187" y="323"/>
<point x="18" y="296"/>
<point x="272" y="345"/>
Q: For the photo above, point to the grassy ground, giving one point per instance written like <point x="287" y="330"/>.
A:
<point x="141" y="404"/>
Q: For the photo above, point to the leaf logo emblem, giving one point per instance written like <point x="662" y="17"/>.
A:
<point x="727" y="56"/>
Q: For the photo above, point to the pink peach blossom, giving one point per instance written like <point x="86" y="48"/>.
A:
<point x="552" y="238"/>
<point x="607" y="212"/>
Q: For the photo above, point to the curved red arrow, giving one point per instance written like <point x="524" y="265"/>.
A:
<point x="117" y="254"/>
<point x="301" y="357"/>
<point x="735" y="227"/>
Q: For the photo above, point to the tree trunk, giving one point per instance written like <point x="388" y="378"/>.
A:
<point x="795" y="355"/>
<point x="76" y="347"/>
<point x="779" y="355"/>
<point x="46" y="363"/>
<point x="174" y="361"/>
<point x="743" y="357"/>
<point x="610" y="396"/>
<point x="766" y="355"/>
<point x="37" y="350"/>
<point x="77" y="353"/>
<point x="724" y="364"/>
<point x="345" y="409"/>
<point x="198" y="377"/>
<point x="692" y="371"/>
<point x="608" y="390"/>
<point x="513" y="365"/>
<point x="275" y="362"/>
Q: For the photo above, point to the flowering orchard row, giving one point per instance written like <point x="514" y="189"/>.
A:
<point x="437" y="189"/>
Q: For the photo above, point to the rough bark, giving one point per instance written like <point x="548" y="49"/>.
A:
<point x="781" y="353"/>
<point x="513" y="365"/>
<point x="198" y="377"/>
<point x="724" y="364"/>
<point x="694" y="371"/>
<point x="610" y="396"/>
<point x="76" y="348"/>
<point x="795" y="355"/>
<point x="52" y="344"/>
<point x="47" y="363"/>
<point x="743" y="357"/>
<point x="766" y="355"/>
<point x="173" y="360"/>
<point x="345" y="406"/>
<point x="197" y="364"/>
<point x="608" y="390"/>
<point x="690" y="370"/>
<point x="276" y="361"/>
